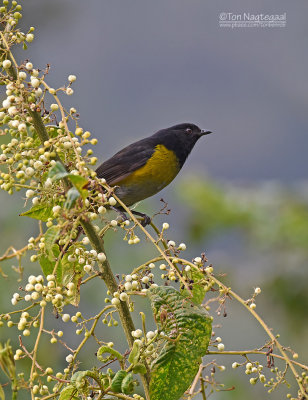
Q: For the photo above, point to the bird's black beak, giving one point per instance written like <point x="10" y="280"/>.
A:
<point x="205" y="132"/>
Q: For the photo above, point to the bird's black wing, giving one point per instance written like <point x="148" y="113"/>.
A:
<point x="126" y="161"/>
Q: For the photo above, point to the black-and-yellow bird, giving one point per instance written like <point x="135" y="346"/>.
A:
<point x="145" y="167"/>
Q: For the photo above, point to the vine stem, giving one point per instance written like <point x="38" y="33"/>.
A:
<point x="91" y="331"/>
<point x="12" y="70"/>
<point x="263" y="353"/>
<point x="121" y="396"/>
<point x="142" y="266"/>
<point x="194" y="384"/>
<point x="14" y="394"/>
<point x="17" y="253"/>
<point x="34" y="356"/>
<point x="20" y="311"/>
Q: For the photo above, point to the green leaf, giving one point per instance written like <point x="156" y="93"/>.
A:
<point x="139" y="368"/>
<point x="41" y="211"/>
<point x="51" y="235"/>
<point x="134" y="354"/>
<point x="117" y="381"/>
<point x="71" y="197"/>
<point x="188" y="327"/>
<point x="57" y="172"/>
<point x="7" y="363"/>
<point x="2" y="395"/>
<point x="79" y="182"/>
<point x="199" y="286"/>
<point x="68" y="393"/>
<point x="48" y="260"/>
<point x="46" y="265"/>
<point x="127" y="385"/>
<point x="109" y="350"/>
<point x="79" y="381"/>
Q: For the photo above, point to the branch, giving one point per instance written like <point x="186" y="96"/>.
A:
<point x="35" y="349"/>
<point x="263" y="353"/>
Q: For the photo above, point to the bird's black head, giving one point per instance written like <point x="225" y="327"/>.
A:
<point x="181" y="139"/>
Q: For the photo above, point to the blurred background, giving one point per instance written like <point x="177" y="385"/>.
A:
<point x="242" y="197"/>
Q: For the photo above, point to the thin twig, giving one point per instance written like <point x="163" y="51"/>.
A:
<point x="195" y="381"/>
<point x="263" y="353"/>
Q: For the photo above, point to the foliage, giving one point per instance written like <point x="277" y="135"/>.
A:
<point x="269" y="219"/>
<point x="188" y="328"/>
<point x="48" y="159"/>
<point x="270" y="216"/>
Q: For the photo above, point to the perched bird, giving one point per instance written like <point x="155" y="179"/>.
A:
<point x="145" y="167"/>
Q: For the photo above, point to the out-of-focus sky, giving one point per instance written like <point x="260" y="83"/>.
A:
<point x="143" y="66"/>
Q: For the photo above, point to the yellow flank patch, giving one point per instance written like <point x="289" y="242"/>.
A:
<point x="159" y="170"/>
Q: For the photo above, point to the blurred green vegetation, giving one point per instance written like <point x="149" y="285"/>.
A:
<point x="269" y="221"/>
<point x="268" y="218"/>
<point x="269" y="214"/>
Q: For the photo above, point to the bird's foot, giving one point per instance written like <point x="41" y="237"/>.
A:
<point x="146" y="220"/>
<point x="120" y="212"/>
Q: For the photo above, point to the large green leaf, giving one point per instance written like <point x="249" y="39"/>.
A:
<point x="41" y="211"/>
<point x="199" y="286"/>
<point x="188" y="327"/>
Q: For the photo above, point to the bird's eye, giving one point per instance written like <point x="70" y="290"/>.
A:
<point x="188" y="130"/>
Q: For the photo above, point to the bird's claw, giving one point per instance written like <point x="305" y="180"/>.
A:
<point x="146" y="220"/>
